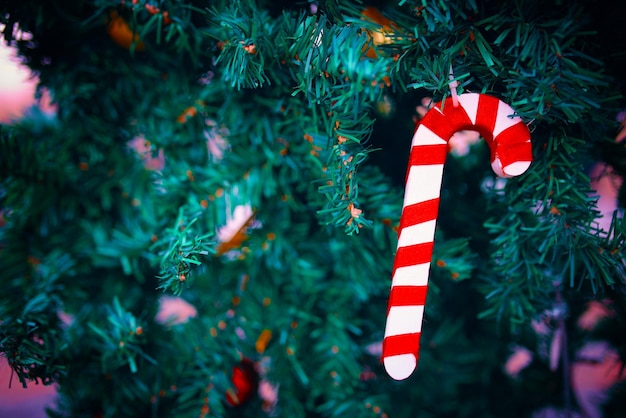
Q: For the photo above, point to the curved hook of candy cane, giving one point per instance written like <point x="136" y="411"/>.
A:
<point x="511" y="154"/>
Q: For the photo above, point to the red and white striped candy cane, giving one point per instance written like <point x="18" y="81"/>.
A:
<point x="511" y="154"/>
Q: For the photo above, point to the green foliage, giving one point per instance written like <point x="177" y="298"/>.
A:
<point x="274" y="109"/>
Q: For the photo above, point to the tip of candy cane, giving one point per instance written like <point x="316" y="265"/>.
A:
<point x="511" y="170"/>
<point x="400" y="367"/>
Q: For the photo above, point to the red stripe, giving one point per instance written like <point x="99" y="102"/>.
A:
<point x="419" y="212"/>
<point x="401" y="344"/>
<point x="456" y="118"/>
<point x="515" y="134"/>
<point x="516" y="153"/>
<point x="408" y="296"/>
<point x="428" y="154"/>
<point x="413" y="254"/>
<point x="486" y="116"/>
<point x="513" y="145"/>
<point x="438" y="123"/>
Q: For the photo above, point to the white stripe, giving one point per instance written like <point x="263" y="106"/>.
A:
<point x="416" y="275"/>
<point x="424" y="136"/>
<point x="417" y="234"/>
<point x="401" y="366"/>
<point x="516" y="168"/>
<point x="503" y="119"/>
<point x="469" y="102"/>
<point x="404" y="320"/>
<point x="423" y="183"/>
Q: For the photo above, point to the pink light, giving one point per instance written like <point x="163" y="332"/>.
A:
<point x="17" y="86"/>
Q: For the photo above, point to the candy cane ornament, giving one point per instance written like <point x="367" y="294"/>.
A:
<point x="511" y="154"/>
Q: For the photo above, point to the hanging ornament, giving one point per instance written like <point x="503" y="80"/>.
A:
<point x="511" y="154"/>
<point x="122" y="34"/>
<point x="383" y="35"/>
<point x="245" y="379"/>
